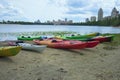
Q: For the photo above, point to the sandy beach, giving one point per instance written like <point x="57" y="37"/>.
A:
<point x="99" y="63"/>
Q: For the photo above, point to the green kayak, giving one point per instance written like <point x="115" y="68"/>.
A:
<point x="86" y="37"/>
<point x="29" y="38"/>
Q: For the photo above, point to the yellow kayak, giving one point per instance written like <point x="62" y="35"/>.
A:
<point x="93" y="34"/>
<point x="9" y="50"/>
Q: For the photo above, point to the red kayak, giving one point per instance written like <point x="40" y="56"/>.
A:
<point x="61" y="44"/>
<point x="103" y="38"/>
<point x="91" y="44"/>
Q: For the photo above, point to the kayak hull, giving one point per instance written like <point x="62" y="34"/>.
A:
<point x="9" y="50"/>
<point x="103" y="39"/>
<point x="31" y="47"/>
<point x="62" y="44"/>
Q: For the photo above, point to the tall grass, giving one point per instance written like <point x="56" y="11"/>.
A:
<point x="116" y="40"/>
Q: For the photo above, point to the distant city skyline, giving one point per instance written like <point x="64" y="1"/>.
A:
<point x="114" y="13"/>
<point x="44" y="10"/>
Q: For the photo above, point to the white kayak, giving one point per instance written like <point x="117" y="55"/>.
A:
<point x="37" y="48"/>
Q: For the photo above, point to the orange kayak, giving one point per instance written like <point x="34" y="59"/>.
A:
<point x="62" y="44"/>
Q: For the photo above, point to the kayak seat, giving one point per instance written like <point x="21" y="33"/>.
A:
<point x="54" y="41"/>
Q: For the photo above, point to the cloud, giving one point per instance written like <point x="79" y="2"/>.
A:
<point x="79" y="10"/>
<point x="90" y="8"/>
<point x="1" y="6"/>
<point x="41" y="9"/>
<point x="77" y="3"/>
<point x="44" y="10"/>
<point x="75" y="12"/>
<point x="10" y="12"/>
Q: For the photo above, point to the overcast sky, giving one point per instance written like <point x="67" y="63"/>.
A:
<point x="76" y="10"/>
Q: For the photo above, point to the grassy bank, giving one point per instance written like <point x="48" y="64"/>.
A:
<point x="116" y="40"/>
<point x="113" y="44"/>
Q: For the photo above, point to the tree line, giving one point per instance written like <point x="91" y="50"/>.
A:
<point x="105" y="22"/>
<point x="23" y="22"/>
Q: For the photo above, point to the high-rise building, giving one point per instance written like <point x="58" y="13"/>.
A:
<point x="93" y="18"/>
<point x="114" y="13"/>
<point x="100" y="14"/>
<point x="87" y="19"/>
<point x="65" y="19"/>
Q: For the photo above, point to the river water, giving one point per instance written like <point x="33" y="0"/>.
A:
<point x="7" y="29"/>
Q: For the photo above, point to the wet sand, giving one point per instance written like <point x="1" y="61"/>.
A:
<point x="99" y="63"/>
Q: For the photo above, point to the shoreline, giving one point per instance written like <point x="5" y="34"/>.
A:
<point x="73" y="24"/>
